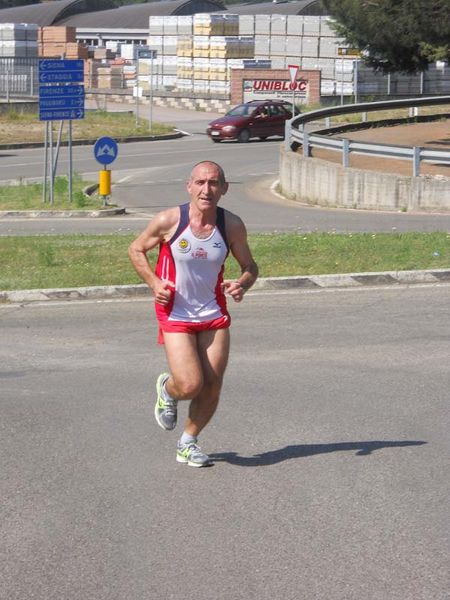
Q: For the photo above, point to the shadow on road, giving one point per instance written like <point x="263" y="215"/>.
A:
<point x="303" y="450"/>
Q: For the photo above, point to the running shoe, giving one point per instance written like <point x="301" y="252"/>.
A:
<point x="165" y="410"/>
<point x="190" y="454"/>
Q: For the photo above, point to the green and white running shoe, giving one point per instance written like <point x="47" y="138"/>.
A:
<point x="190" y="454"/>
<point x="165" y="409"/>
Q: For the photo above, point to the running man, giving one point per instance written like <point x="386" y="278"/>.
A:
<point x="194" y="240"/>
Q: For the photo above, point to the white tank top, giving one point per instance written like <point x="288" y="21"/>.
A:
<point x="196" y="267"/>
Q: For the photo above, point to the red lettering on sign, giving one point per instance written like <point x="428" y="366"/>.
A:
<point x="264" y="85"/>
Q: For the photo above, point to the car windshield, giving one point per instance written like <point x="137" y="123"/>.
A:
<point x="243" y="110"/>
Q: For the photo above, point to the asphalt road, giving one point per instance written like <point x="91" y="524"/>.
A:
<point x="150" y="176"/>
<point x="331" y="447"/>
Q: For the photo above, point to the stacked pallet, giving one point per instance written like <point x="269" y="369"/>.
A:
<point x="216" y="24"/>
<point x="60" y="42"/>
<point x="307" y="41"/>
<point x="104" y="53"/>
<point x="110" y="77"/>
<point x="188" y="45"/>
<point x="18" y="40"/>
<point x="206" y="57"/>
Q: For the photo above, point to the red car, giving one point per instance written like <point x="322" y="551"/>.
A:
<point x="258" y="118"/>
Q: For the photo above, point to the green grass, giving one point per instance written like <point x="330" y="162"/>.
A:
<point x="29" y="196"/>
<point x="17" y="128"/>
<point x="81" y="260"/>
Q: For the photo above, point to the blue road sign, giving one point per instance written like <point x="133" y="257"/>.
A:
<point x="105" y="150"/>
<point x="61" y="114"/>
<point x="64" y="102"/>
<point x="61" y="71"/>
<point x="61" y="91"/>
<point x="61" y="77"/>
<point x="61" y="102"/>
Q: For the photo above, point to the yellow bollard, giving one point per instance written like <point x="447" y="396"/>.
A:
<point x="104" y="182"/>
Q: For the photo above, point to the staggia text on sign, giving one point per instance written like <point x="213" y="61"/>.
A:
<point x="281" y="89"/>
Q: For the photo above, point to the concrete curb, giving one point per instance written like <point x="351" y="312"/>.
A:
<point x="87" y="142"/>
<point x="33" y="214"/>
<point x="346" y="280"/>
<point x="64" y="214"/>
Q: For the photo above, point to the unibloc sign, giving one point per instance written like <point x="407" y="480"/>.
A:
<point x="278" y="89"/>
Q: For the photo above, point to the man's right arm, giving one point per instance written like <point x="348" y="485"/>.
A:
<point x="157" y="231"/>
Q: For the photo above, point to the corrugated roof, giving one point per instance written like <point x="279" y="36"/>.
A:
<point x="136" y="16"/>
<point x="101" y="13"/>
<point x="48" y="13"/>
<point x="298" y="7"/>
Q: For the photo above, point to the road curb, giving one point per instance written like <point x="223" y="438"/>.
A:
<point x="345" y="280"/>
<point x="45" y="214"/>
<point x="88" y="142"/>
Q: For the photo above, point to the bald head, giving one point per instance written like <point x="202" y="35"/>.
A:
<point x="210" y="164"/>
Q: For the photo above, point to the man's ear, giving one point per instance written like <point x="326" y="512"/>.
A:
<point x="225" y="188"/>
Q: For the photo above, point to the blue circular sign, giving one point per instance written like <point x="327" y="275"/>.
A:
<point x="105" y="150"/>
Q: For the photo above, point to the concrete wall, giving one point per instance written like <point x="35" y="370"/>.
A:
<point x="19" y="106"/>
<point x="318" y="182"/>
<point x="163" y="99"/>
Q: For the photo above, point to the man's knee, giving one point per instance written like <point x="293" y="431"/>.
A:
<point x="188" y="387"/>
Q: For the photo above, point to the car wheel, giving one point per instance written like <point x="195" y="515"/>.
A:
<point x="244" y="136"/>
<point x="216" y="141"/>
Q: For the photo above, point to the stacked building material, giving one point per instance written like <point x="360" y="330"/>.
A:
<point x="216" y="24"/>
<point x="18" y="40"/>
<point x="307" y="41"/>
<point x="60" y="42"/>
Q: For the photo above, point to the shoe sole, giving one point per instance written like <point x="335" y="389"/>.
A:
<point x="185" y="461"/>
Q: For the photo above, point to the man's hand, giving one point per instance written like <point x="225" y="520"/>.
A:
<point x="234" y="289"/>
<point x="163" y="291"/>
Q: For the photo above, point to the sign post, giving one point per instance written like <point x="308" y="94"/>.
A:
<point x="105" y="152"/>
<point x="151" y="54"/>
<point x="61" y="97"/>
<point x="352" y="53"/>
<point x="293" y="72"/>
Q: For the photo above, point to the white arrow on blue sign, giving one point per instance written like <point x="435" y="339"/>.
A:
<point x="60" y="114"/>
<point x="55" y="64"/>
<point x="59" y="91"/>
<point x="64" y="102"/>
<point x="105" y="150"/>
<point x="61" y="71"/>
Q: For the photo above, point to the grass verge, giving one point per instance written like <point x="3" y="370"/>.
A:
<point x="29" y="196"/>
<point x="15" y="127"/>
<point x="83" y="260"/>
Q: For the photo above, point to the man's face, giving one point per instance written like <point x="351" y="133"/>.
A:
<point x="205" y="186"/>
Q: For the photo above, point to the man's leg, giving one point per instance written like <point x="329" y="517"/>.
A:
<point x="208" y="356"/>
<point x="213" y="350"/>
<point x="183" y="383"/>
<point x="186" y="373"/>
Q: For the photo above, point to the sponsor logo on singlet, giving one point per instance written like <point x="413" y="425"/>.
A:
<point x="184" y="245"/>
<point x="200" y="253"/>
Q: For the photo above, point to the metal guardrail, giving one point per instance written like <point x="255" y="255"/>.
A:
<point x="296" y="134"/>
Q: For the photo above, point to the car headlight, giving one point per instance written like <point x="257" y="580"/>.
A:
<point x="229" y="128"/>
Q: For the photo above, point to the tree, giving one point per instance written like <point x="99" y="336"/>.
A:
<point x="394" y="35"/>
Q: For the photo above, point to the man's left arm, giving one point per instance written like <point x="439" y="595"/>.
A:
<point x="237" y="235"/>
